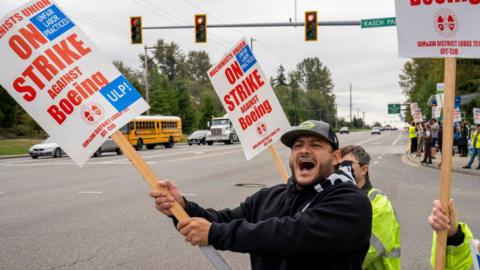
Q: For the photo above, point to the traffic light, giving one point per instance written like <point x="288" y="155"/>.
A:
<point x="200" y="28"/>
<point x="311" y="26"/>
<point x="136" y="30"/>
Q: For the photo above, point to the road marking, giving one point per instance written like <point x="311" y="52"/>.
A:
<point x="90" y="192"/>
<point x="399" y="136"/>
<point x="189" y="194"/>
<point x="2" y="193"/>
<point x="206" y="156"/>
<point x="377" y="143"/>
<point x="199" y="153"/>
<point x="380" y="157"/>
<point x="369" y="140"/>
<point x="375" y="162"/>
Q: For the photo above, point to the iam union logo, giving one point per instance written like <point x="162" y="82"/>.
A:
<point x="92" y="113"/>
<point x="261" y="129"/>
<point x="446" y="22"/>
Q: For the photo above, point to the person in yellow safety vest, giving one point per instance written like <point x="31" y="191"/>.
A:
<point x="476" y="149"/>
<point x="458" y="255"/>
<point x="412" y="134"/>
<point x="384" y="250"/>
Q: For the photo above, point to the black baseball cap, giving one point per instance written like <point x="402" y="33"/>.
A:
<point x="310" y="128"/>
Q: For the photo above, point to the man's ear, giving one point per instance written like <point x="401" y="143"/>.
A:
<point x="336" y="157"/>
<point x="364" y="169"/>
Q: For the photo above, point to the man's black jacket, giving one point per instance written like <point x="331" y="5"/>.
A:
<point x="285" y="228"/>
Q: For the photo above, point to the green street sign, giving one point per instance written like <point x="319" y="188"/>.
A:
<point x="380" y="22"/>
<point x="393" y="108"/>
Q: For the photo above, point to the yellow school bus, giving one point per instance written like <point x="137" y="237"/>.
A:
<point x="152" y="130"/>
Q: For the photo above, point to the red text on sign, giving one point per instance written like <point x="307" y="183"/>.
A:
<point x="440" y="2"/>
<point x="243" y="90"/>
<point x="47" y="65"/>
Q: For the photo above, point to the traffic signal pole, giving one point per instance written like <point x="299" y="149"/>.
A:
<point x="250" y="25"/>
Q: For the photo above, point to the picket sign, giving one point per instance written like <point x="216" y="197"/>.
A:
<point x="250" y="102"/>
<point x="447" y="148"/>
<point x="66" y="84"/>
<point x="440" y="29"/>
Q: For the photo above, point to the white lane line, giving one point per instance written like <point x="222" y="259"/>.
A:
<point x="380" y="157"/>
<point x="189" y="194"/>
<point x="375" y="162"/>
<point x="376" y="143"/>
<point x="90" y="192"/>
<point x="206" y="156"/>
<point x="399" y="136"/>
<point x="369" y="140"/>
<point x="2" y="193"/>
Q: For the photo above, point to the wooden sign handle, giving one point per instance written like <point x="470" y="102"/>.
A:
<point x="278" y="162"/>
<point x="447" y="148"/>
<point x="145" y="170"/>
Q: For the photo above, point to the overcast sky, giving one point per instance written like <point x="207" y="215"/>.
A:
<point x="366" y="58"/>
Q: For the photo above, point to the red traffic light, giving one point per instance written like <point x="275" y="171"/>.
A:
<point x="136" y="30"/>
<point x="311" y="26"/>
<point x="200" y="28"/>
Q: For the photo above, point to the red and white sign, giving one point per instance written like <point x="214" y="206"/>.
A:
<point x="249" y="99"/>
<point x="457" y="115"/>
<point x="438" y="29"/>
<point x="476" y="115"/>
<point x="58" y="75"/>
<point x="416" y="113"/>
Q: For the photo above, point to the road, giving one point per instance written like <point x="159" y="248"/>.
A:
<point x="54" y="215"/>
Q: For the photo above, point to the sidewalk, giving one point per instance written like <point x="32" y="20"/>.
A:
<point x="457" y="163"/>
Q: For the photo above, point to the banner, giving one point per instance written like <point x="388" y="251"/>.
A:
<point x="457" y="115"/>
<point x="249" y="100"/>
<point x="58" y="75"/>
<point x="476" y="115"/>
<point x="438" y="112"/>
<point x="438" y="29"/>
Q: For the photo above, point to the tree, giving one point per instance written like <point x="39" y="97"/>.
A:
<point x="280" y="78"/>
<point x="162" y="95"/>
<point x="169" y="59"/>
<point x="185" y="108"/>
<point x="208" y="109"/>
<point x="198" y="64"/>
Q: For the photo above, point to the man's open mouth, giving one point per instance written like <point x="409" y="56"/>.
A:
<point x="306" y="164"/>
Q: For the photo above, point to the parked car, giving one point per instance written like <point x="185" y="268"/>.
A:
<point x="46" y="148"/>
<point x="108" y="146"/>
<point x="376" y="130"/>
<point x="344" y="130"/>
<point x="198" y="137"/>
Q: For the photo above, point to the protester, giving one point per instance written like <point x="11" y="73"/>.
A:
<point x="412" y="134"/>
<point x="458" y="256"/>
<point x="476" y="149"/>
<point x="434" y="129"/>
<point x="420" y="140"/>
<point x="427" y="137"/>
<point x="319" y="218"/>
<point x="384" y="251"/>
<point x="464" y="136"/>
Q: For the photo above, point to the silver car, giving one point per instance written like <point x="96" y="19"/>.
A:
<point x="108" y="146"/>
<point x="46" y="148"/>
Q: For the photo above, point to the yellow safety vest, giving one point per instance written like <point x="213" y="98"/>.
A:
<point x="457" y="257"/>
<point x="478" y="139"/>
<point x="412" y="133"/>
<point x="384" y="250"/>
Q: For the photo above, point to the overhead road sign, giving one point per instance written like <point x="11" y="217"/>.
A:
<point x="380" y="22"/>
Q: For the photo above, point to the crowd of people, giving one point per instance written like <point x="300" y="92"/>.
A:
<point x="426" y="138"/>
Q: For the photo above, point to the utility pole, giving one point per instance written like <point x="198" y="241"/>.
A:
<point x="145" y="78"/>
<point x="363" y="119"/>
<point x="336" y="116"/>
<point x="251" y="43"/>
<point x="350" y="106"/>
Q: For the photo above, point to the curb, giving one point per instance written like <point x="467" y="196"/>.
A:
<point x="14" y="156"/>
<point x="461" y="171"/>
